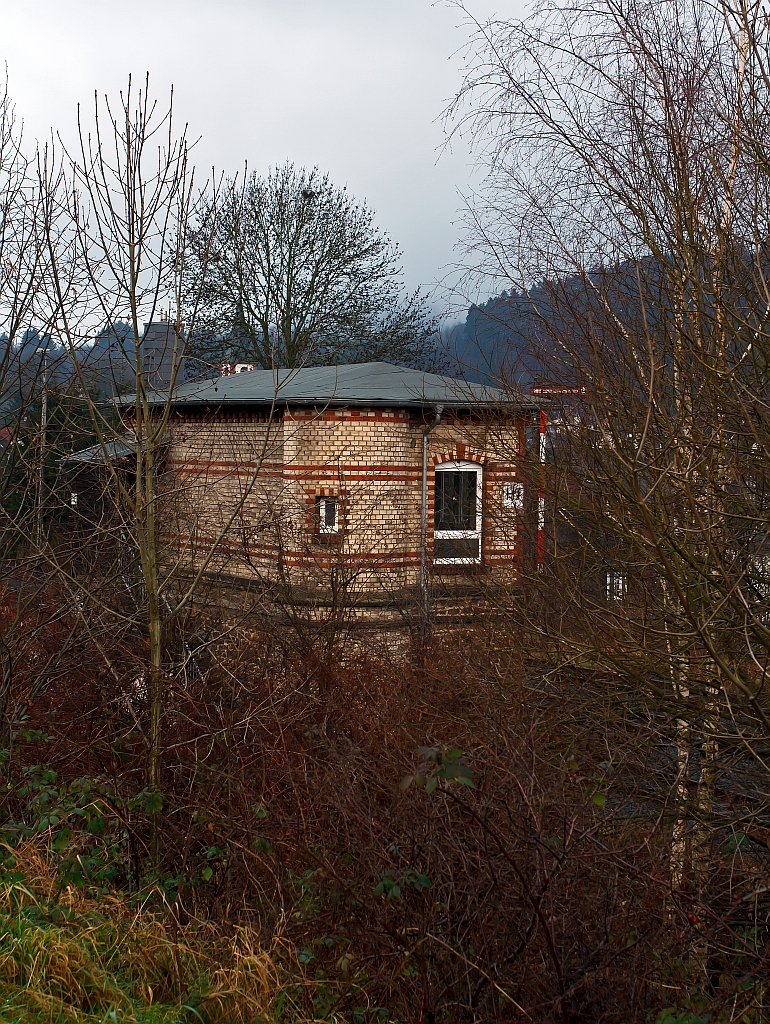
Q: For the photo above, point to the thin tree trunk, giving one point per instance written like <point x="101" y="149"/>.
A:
<point x="679" y="865"/>
<point x="703" y="811"/>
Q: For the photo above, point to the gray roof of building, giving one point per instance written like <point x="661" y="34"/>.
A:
<point x="380" y="384"/>
<point x="98" y="454"/>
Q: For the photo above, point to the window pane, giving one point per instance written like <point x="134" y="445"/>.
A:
<point x="462" y="547"/>
<point x="456" y="500"/>
<point x="328" y="520"/>
<point x="617" y="584"/>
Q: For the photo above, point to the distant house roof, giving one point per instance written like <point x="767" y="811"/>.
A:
<point x="99" y="454"/>
<point x="370" y="384"/>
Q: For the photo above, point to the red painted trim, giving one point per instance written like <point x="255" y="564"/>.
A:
<point x="541" y="492"/>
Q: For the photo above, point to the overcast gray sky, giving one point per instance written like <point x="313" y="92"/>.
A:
<point x="356" y="87"/>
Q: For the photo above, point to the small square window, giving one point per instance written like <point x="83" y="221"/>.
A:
<point x="513" y="495"/>
<point x="328" y="515"/>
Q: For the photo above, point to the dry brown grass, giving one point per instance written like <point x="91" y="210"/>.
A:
<point x="66" y="956"/>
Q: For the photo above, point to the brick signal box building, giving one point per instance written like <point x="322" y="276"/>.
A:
<point x="359" y="487"/>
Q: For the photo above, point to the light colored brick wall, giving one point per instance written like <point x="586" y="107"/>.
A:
<point x="227" y="474"/>
<point x="264" y="478"/>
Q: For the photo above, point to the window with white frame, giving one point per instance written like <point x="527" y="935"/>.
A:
<point x="617" y="584"/>
<point x="328" y="515"/>
<point x="457" y="513"/>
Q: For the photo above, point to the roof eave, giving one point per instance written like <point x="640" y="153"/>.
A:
<point x="283" y="403"/>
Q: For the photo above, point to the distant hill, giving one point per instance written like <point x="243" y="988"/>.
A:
<point x="502" y="340"/>
<point x="519" y="338"/>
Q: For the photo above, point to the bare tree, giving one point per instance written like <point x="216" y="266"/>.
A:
<point x="116" y="217"/>
<point x="26" y="359"/>
<point x="298" y="272"/>
<point x="627" y="155"/>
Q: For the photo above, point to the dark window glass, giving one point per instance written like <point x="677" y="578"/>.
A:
<point x="327" y="515"/>
<point x="462" y="547"/>
<point x="456" y="500"/>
